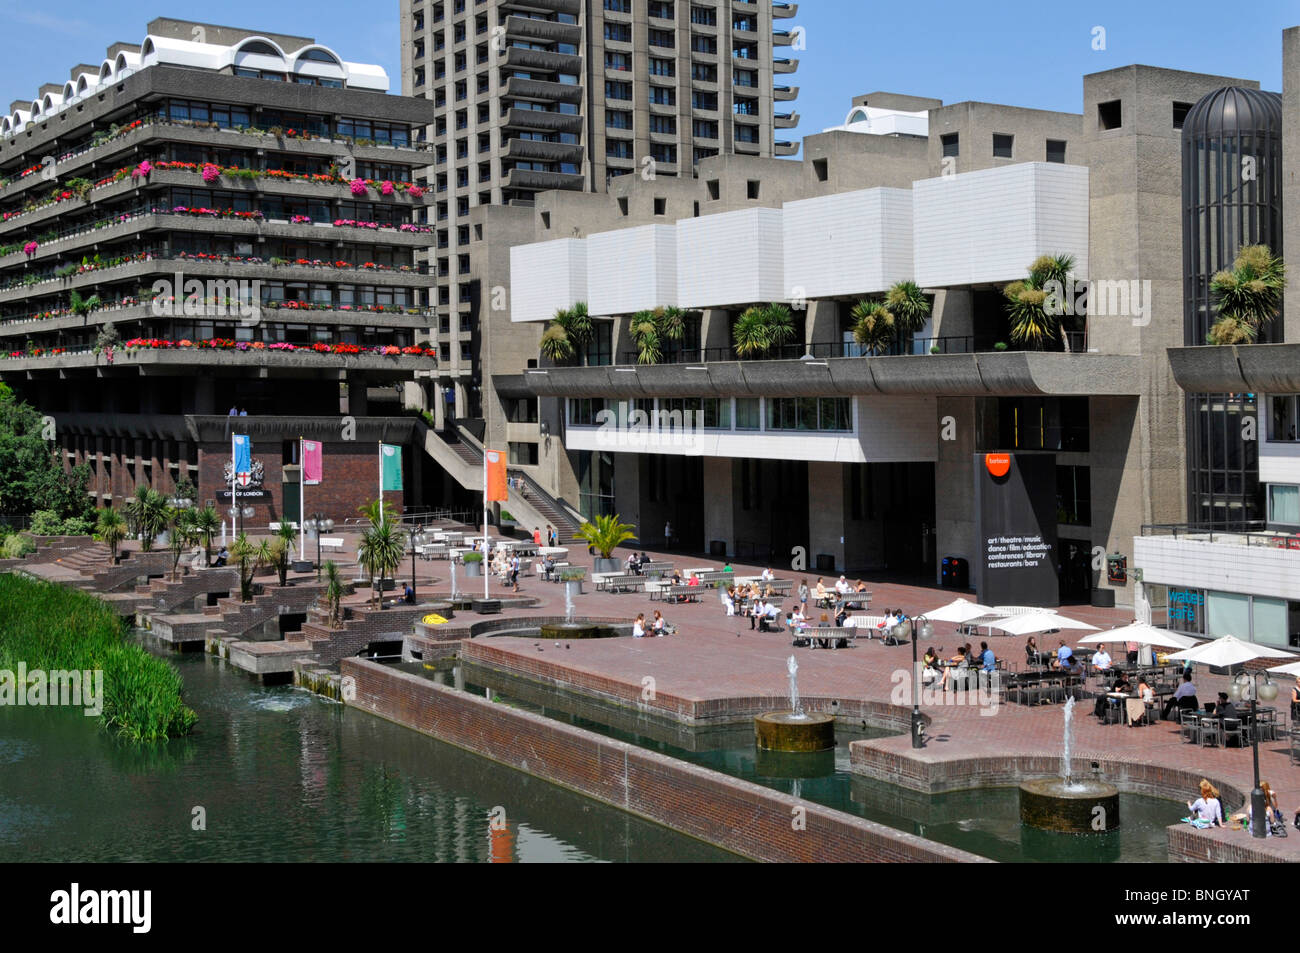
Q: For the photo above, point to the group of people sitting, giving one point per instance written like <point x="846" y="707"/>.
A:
<point x="658" y="626"/>
<point x="1207" y="811"/>
<point x="635" y="561"/>
<point x="744" y="599"/>
<point x="827" y="598"/>
<point x="505" y="565"/>
<point x="959" y="664"/>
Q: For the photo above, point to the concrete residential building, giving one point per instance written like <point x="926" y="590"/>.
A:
<point x="871" y="462"/>
<point x="538" y="95"/>
<point x="239" y="206"/>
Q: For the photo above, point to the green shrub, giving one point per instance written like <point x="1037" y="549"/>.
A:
<point x="76" y="526"/>
<point x="473" y="557"/>
<point x="17" y="546"/>
<point x="46" y="523"/>
<point x="52" y="628"/>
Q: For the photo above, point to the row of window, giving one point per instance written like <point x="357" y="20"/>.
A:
<point x="232" y="116"/>
<point x="1003" y="147"/>
<point x="824" y="414"/>
<point x="1213" y="614"/>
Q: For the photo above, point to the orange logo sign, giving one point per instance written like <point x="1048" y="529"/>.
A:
<point x="999" y="464"/>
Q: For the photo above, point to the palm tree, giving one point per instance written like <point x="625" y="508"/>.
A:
<point x="82" y="307"/>
<point x="283" y="542"/>
<point x="605" y="533"/>
<point x="206" y="523"/>
<point x="761" y="328"/>
<point x="652" y="329"/>
<point x="247" y="557"/>
<point x="380" y="552"/>
<point x="148" y="514"/>
<point x="371" y="512"/>
<point x="909" y="306"/>
<point x="1248" y="296"/>
<point x="1032" y="323"/>
<point x="111" y="529"/>
<point x="874" y="326"/>
<point x="334" y="592"/>
<point x="183" y="534"/>
<point x="568" y="334"/>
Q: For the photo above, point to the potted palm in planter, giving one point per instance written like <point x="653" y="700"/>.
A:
<point x="604" y="534"/>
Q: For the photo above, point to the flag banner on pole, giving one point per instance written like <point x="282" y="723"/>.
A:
<point x="497" y="487"/>
<point x="312" y="463"/>
<point x="243" y="454"/>
<point x="391" y="467"/>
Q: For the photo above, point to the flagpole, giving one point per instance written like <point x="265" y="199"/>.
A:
<point x="486" y="565"/>
<point x="381" y="484"/>
<point x="302" y="502"/>
<point x="234" y="504"/>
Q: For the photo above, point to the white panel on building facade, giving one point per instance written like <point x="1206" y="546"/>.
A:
<point x="734" y="258"/>
<point x="632" y="269"/>
<point x="1218" y="566"/>
<point x="547" y="276"/>
<point x="988" y="226"/>
<point x="848" y="244"/>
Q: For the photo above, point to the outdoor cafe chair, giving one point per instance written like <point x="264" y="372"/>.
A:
<point x="1232" y="729"/>
<point x="1211" y="732"/>
<point x="1191" y="726"/>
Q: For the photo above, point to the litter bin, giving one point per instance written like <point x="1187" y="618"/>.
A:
<point x="1103" y="598"/>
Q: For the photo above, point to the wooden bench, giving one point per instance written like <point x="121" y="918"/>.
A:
<point x="332" y="543"/>
<point x="831" y="637"/>
<point x="621" y="583"/>
<point x="656" y="569"/>
<point x="673" y="593"/>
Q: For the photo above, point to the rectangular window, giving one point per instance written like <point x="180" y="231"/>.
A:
<point x="663" y="38"/>
<point x="703" y="129"/>
<point x="523" y="454"/>
<point x="704" y="100"/>
<point x="584" y="410"/>
<point x="748" y="416"/>
<point x="663" y="95"/>
<point x="618" y="61"/>
<point x="619" y="32"/>
<point x="1180" y="114"/>
<point x="662" y="67"/>
<point x="1186" y="611"/>
<point x="1227" y="613"/>
<point x="662" y="152"/>
<point x="617" y="90"/>
<point x="618" y="119"/>
<point x="704" y="16"/>
<point x="1284" y="504"/>
<point x="1073" y="496"/>
<point x="1056" y="150"/>
<point x="1003" y="146"/>
<point x="1269" y="621"/>
<point x="1110" y="114"/>
<point x="1282" y="422"/>
<point x="949" y="142"/>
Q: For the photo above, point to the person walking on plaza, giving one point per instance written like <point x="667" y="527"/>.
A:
<point x="668" y="535"/>
<point x="803" y="603"/>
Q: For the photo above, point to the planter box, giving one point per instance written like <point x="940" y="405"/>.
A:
<point x="303" y="565"/>
<point x="473" y="569"/>
<point x="487" y="606"/>
<point x="608" y="565"/>
<point x="573" y="587"/>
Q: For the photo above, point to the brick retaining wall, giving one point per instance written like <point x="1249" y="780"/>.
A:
<point x="736" y="815"/>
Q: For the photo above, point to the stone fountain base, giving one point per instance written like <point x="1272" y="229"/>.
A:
<point x="1081" y="807"/>
<point x="786" y="731"/>
<point x="792" y="765"/>
<point x="577" y="630"/>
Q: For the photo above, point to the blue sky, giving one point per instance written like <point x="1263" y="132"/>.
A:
<point x="1003" y="51"/>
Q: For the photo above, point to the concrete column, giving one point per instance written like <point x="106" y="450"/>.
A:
<point x="158" y="467"/>
<point x="954" y="480"/>
<point x="826" y="513"/>
<point x="715" y="328"/>
<point x="719" y="518"/>
<point x="822" y="325"/>
<point x="951" y="314"/>
<point x="357" y="395"/>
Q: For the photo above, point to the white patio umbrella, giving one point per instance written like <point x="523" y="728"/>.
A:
<point x="959" y="611"/>
<point x="1142" y="634"/>
<point x="1290" y="668"/>
<point x="1228" y="650"/>
<point x="1036" y="622"/>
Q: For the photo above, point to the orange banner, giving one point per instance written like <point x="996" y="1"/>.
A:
<point x="497" y="487"/>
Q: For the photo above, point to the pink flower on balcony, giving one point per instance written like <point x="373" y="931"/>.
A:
<point x="358" y="186"/>
<point x="416" y="192"/>
<point x="386" y="188"/>
<point x="30" y="249"/>
<point x="142" y="170"/>
<point x="210" y="173"/>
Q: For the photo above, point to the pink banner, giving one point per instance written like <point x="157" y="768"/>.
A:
<point x="312" y="464"/>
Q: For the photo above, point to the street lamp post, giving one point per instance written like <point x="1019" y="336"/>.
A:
<point x="1259" y="809"/>
<point x="320" y="524"/>
<point x="921" y="628"/>
<point x="417" y="539"/>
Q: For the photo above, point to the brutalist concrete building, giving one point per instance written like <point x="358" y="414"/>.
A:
<point x="878" y="462"/>
<point x="241" y="207"/>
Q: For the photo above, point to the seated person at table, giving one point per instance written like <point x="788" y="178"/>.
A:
<point x="1031" y="650"/>
<point x="1063" y="653"/>
<point x="1184" y="698"/>
<point x="824" y="622"/>
<point x="1072" y="666"/>
<point x="822" y="594"/>
<point x="1207" y="807"/>
<point x="800" y="619"/>
<point x="960" y="662"/>
<point x="768" y="612"/>
<point x="694" y="580"/>
<point x="548" y="564"/>
<point x="634" y="565"/>
<point x="1101" y="660"/>
<point x="789" y="620"/>
<point x="1145" y="692"/>
<point x="1226" y="708"/>
<point x="757" y="609"/>
<point x="842" y="586"/>
<point x="988" y="661"/>
<point x="932" y="671"/>
<point x="773" y="613"/>
<point x="767" y="576"/>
